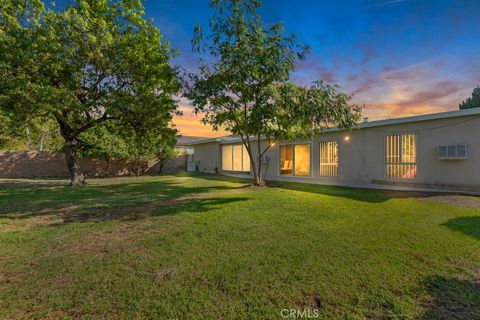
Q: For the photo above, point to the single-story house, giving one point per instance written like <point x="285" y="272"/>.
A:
<point x="440" y="151"/>
<point x="183" y="144"/>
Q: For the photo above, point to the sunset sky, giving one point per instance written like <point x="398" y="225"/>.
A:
<point x="397" y="57"/>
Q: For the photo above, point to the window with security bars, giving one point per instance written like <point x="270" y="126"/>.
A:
<point x="329" y="159"/>
<point x="401" y="156"/>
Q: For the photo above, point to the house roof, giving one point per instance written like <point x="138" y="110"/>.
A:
<point x="370" y="124"/>
<point x="188" y="140"/>
<point x="224" y="139"/>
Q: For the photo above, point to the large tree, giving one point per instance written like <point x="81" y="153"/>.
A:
<point x="95" y="62"/>
<point x="246" y="90"/>
<point x="473" y="101"/>
<point x="154" y="143"/>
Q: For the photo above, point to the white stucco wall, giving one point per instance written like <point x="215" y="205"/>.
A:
<point x="362" y="158"/>
<point x="207" y="156"/>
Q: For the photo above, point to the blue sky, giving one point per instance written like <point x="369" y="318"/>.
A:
<point x="397" y="57"/>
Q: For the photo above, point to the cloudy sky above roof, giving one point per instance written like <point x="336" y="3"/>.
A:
<point x="397" y="57"/>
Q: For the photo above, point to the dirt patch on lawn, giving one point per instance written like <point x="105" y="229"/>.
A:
<point x="471" y="201"/>
<point x="144" y="210"/>
<point x="74" y="214"/>
<point x="455" y="200"/>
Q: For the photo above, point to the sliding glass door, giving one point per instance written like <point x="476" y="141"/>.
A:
<point x="295" y="160"/>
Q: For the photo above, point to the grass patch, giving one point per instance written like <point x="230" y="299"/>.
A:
<point x="203" y="247"/>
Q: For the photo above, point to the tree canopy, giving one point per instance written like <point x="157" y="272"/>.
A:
<point x="473" y="101"/>
<point x="246" y="89"/>
<point x="114" y="140"/>
<point x="33" y="134"/>
<point x="92" y="63"/>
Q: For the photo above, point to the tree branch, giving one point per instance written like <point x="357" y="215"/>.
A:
<point x="90" y="124"/>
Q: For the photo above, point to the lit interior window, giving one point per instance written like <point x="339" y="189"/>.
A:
<point x="295" y="160"/>
<point x="329" y="159"/>
<point x="235" y="158"/>
<point x="286" y="160"/>
<point x="227" y="164"/>
<point x="302" y="159"/>
<point x="246" y="159"/>
<point x="401" y="156"/>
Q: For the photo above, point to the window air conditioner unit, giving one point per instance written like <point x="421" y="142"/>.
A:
<point x="452" y="152"/>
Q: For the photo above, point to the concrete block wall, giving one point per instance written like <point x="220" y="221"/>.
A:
<point x="32" y="164"/>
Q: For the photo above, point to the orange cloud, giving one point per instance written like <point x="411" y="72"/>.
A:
<point x="189" y="123"/>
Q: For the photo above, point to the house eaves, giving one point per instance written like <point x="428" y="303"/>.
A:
<point x="370" y="124"/>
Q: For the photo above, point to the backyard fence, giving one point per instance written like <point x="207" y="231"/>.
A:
<point x="33" y="164"/>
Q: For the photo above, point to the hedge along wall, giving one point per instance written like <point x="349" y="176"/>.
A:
<point x="33" y="164"/>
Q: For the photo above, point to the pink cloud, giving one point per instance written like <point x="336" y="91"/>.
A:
<point x="328" y="76"/>
<point x="422" y="88"/>
<point x="352" y="77"/>
<point x="314" y="68"/>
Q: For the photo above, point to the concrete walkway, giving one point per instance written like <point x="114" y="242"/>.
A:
<point x="375" y="186"/>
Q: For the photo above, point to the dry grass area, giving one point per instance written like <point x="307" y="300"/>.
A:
<point x="457" y="200"/>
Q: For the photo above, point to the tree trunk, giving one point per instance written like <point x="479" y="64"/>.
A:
<point x="162" y="160"/>
<point x="258" y="174"/>
<point x="257" y="179"/>
<point x="77" y="178"/>
<point x="42" y="138"/>
<point x="256" y="165"/>
<point x="160" y="167"/>
<point x="71" y="146"/>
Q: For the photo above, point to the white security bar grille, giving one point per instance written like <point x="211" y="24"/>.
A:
<point x="401" y="156"/>
<point x="329" y="159"/>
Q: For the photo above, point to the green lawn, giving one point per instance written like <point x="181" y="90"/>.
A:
<point x="205" y="247"/>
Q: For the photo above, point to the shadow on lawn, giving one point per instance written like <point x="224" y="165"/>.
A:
<point x="358" y="194"/>
<point x="365" y="195"/>
<point x="168" y="207"/>
<point x="451" y="298"/>
<point x="467" y="225"/>
<point x="55" y="205"/>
